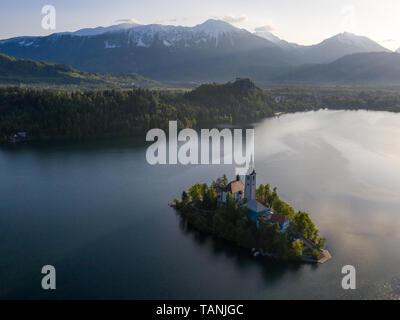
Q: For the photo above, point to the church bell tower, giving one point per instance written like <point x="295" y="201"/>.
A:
<point x="250" y="186"/>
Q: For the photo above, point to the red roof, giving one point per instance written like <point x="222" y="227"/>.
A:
<point x="279" y="218"/>
<point x="235" y="186"/>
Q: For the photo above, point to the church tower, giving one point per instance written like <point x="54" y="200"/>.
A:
<point x="250" y="186"/>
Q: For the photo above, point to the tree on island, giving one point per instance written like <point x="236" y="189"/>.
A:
<point x="229" y="221"/>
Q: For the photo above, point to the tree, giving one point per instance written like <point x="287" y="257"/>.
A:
<point x="297" y="248"/>
<point x="303" y="224"/>
<point x="231" y="222"/>
<point x="195" y="193"/>
<point x="185" y="198"/>
<point x="260" y="193"/>
<point x="210" y="199"/>
<point x="315" y="254"/>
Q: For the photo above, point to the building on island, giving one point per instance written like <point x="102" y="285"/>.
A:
<point x="256" y="209"/>
<point x="251" y="186"/>
<point x="236" y="188"/>
<point x="245" y="194"/>
<point x="281" y="220"/>
<point x="18" y="137"/>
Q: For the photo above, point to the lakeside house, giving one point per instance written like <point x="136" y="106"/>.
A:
<point x="236" y="188"/>
<point x="17" y="137"/>
<point x="245" y="195"/>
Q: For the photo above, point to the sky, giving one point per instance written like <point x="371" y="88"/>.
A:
<point x="304" y="22"/>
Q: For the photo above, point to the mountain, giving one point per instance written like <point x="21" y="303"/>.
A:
<point x="100" y="30"/>
<point x="213" y="50"/>
<point x="360" y="68"/>
<point x="21" y="71"/>
<point x="338" y="46"/>
<point x="328" y="50"/>
<point x="287" y="46"/>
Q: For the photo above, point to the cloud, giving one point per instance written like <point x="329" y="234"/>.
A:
<point x="348" y="18"/>
<point x="388" y="40"/>
<point x="166" y="21"/>
<point x="132" y="20"/>
<point x="234" y="19"/>
<point x="266" y="28"/>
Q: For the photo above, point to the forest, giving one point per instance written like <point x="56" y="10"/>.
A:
<point x="61" y="114"/>
<point x="293" y="99"/>
<point x="88" y="114"/>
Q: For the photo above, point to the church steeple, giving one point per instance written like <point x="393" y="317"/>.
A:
<point x="251" y="165"/>
<point x="250" y="185"/>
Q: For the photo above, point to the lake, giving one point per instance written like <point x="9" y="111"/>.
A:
<point x="98" y="212"/>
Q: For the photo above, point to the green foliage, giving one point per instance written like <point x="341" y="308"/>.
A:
<point x="266" y="196"/>
<point x="292" y="99"/>
<point x="283" y="208"/>
<point x="221" y="182"/>
<point x="46" y="113"/>
<point x="300" y="222"/>
<point x="239" y="100"/>
<point x="230" y="221"/>
<point x="305" y="226"/>
<point x="30" y="72"/>
<point x="210" y="199"/>
<point x="196" y="194"/>
<point x="297" y="248"/>
<point x="315" y="254"/>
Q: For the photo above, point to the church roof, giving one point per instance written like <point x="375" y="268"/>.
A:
<point x="279" y="218"/>
<point x="255" y="206"/>
<point x="235" y="186"/>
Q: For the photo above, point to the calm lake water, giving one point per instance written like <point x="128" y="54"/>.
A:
<point x="98" y="212"/>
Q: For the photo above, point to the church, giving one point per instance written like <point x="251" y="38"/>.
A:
<point x="245" y="194"/>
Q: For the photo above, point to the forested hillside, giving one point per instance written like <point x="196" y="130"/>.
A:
<point x="36" y="73"/>
<point x="90" y="114"/>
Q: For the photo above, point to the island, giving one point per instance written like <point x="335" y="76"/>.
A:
<point x="252" y="218"/>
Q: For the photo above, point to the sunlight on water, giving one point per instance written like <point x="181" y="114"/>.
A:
<point x="99" y="212"/>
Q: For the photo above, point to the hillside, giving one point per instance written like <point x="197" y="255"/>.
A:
<point x="377" y="68"/>
<point x="241" y="99"/>
<point x="20" y="71"/>
<point x="92" y="114"/>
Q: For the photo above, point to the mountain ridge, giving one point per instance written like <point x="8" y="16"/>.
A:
<point x="379" y="68"/>
<point x="212" y="51"/>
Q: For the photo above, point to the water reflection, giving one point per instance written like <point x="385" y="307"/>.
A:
<point x="271" y="269"/>
<point x="99" y="211"/>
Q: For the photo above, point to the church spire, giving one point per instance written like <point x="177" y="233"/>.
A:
<point x="252" y="168"/>
<point x="250" y="182"/>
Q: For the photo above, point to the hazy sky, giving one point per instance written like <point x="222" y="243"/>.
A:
<point x="304" y="22"/>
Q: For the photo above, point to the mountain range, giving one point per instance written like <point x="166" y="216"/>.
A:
<point x="211" y="51"/>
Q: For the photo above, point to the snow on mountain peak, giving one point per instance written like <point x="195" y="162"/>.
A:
<point x="353" y="40"/>
<point x="268" y="35"/>
<point x="214" y="27"/>
<point x="100" y="30"/>
<point x="169" y="35"/>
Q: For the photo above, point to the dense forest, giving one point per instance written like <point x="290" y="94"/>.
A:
<point x="84" y="114"/>
<point x="292" y="99"/>
<point x="61" y="114"/>
<point x="198" y="206"/>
